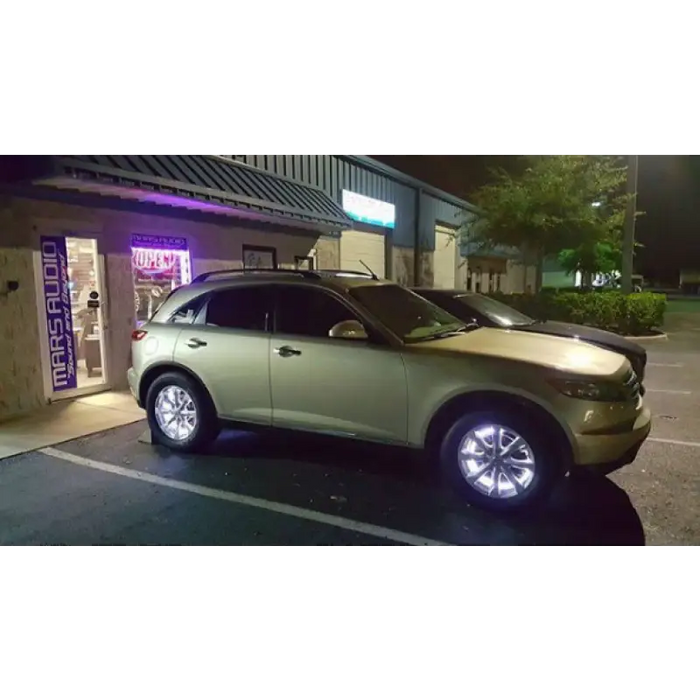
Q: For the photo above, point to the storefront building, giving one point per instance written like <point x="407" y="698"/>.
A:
<point x="426" y="227"/>
<point x="89" y="246"/>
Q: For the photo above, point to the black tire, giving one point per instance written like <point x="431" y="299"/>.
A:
<point x="543" y="445"/>
<point x="207" y="424"/>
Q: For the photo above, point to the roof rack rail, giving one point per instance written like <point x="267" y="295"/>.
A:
<point x="238" y="271"/>
<point x="354" y="273"/>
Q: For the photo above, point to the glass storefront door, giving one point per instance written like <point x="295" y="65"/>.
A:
<point x="71" y="299"/>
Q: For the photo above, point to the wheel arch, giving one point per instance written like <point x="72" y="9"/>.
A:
<point x="458" y="405"/>
<point x="155" y="371"/>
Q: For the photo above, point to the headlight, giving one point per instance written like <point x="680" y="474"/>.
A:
<point x="638" y="365"/>
<point x="590" y="391"/>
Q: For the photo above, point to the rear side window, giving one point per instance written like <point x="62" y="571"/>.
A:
<point x="241" y="308"/>
<point x="187" y="313"/>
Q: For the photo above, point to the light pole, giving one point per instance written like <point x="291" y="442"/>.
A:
<point x="628" y="233"/>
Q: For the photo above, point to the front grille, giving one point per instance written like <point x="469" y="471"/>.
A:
<point x="632" y="386"/>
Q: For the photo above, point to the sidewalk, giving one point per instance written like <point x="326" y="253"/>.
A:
<point x="68" y="420"/>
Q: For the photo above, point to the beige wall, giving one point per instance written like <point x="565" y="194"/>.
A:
<point x="402" y="267"/>
<point x="516" y="280"/>
<point x="21" y="379"/>
<point x="23" y="221"/>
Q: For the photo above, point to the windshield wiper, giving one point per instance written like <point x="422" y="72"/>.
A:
<point x="448" y="333"/>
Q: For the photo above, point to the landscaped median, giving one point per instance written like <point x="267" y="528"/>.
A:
<point x="632" y="315"/>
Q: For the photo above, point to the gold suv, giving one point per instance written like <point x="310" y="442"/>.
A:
<point x="504" y="413"/>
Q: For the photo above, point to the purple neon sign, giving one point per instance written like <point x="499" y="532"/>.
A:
<point x="59" y="322"/>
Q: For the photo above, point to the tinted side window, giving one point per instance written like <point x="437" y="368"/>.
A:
<point x="308" y="312"/>
<point x="187" y="313"/>
<point x="243" y="308"/>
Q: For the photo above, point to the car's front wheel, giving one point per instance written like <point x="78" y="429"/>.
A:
<point x="499" y="460"/>
<point x="180" y="414"/>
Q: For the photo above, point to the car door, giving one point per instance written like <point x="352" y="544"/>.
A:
<point x="349" y="387"/>
<point x="228" y="348"/>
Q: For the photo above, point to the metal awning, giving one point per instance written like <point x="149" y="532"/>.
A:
<point x="205" y="183"/>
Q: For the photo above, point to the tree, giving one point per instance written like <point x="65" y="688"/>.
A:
<point x="555" y="203"/>
<point x="592" y="258"/>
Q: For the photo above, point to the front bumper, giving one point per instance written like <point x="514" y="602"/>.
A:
<point x="603" y="454"/>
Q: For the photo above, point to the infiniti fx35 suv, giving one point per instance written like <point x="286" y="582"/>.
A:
<point x="502" y="413"/>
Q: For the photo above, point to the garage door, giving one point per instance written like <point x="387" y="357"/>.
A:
<point x="368" y="247"/>
<point x="445" y="261"/>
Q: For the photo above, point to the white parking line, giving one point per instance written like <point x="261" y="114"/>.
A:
<point x="240" y="499"/>
<point x="669" y="391"/>
<point x="664" y="364"/>
<point x="683" y="443"/>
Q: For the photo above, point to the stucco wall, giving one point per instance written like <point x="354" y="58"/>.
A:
<point x="23" y="221"/>
<point x="21" y="381"/>
<point x="517" y="282"/>
<point x="402" y="267"/>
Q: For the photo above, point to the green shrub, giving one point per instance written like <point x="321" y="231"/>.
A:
<point x="636" y="314"/>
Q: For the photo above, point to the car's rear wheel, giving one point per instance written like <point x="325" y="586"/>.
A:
<point x="500" y="460"/>
<point x="180" y="413"/>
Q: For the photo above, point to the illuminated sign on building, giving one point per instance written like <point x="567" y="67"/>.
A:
<point x="153" y="260"/>
<point x="59" y="321"/>
<point x="368" y="210"/>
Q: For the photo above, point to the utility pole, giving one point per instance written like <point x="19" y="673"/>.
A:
<point x="628" y="234"/>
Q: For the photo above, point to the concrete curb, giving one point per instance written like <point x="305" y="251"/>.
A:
<point x="662" y="336"/>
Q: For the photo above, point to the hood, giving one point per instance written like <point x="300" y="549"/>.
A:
<point x="591" y="335"/>
<point x="563" y="354"/>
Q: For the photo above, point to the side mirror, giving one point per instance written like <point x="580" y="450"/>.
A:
<point x="348" y="330"/>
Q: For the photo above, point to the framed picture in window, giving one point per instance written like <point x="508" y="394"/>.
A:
<point x="258" y="257"/>
<point x="302" y="262"/>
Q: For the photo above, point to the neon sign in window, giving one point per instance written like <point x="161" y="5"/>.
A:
<point x="159" y="264"/>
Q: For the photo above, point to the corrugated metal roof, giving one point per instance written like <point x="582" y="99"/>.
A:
<point x="212" y="180"/>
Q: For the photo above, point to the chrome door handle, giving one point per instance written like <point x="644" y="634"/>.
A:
<point x="195" y="343"/>
<point x="287" y="351"/>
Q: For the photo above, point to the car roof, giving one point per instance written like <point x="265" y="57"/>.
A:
<point x="340" y="279"/>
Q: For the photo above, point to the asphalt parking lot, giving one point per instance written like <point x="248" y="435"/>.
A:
<point x="290" y="490"/>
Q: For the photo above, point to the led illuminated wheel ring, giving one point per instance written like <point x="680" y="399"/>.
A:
<point x="496" y="461"/>
<point x="176" y="413"/>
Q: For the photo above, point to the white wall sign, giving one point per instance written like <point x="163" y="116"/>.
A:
<point x="368" y="210"/>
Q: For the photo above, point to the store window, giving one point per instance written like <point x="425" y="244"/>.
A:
<point x="159" y="264"/>
<point x="302" y="262"/>
<point x="257" y="257"/>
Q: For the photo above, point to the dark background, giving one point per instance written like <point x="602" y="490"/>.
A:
<point x="668" y="193"/>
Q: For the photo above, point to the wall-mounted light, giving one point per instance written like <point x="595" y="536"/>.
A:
<point x="11" y="286"/>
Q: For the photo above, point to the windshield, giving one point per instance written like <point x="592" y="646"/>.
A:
<point x="409" y="316"/>
<point x="495" y="311"/>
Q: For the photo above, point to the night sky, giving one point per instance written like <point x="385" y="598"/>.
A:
<point x="669" y="194"/>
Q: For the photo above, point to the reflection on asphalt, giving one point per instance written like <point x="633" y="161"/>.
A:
<point x="386" y="487"/>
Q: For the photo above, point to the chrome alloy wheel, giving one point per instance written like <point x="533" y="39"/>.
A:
<point x="496" y="461"/>
<point x="176" y="413"/>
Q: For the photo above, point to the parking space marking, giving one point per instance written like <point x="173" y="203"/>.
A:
<point x="252" y="502"/>
<point x="669" y="391"/>
<point x="682" y="443"/>
<point x="664" y="364"/>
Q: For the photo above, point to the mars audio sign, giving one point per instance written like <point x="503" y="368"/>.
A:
<point x="59" y="320"/>
<point x="368" y="210"/>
